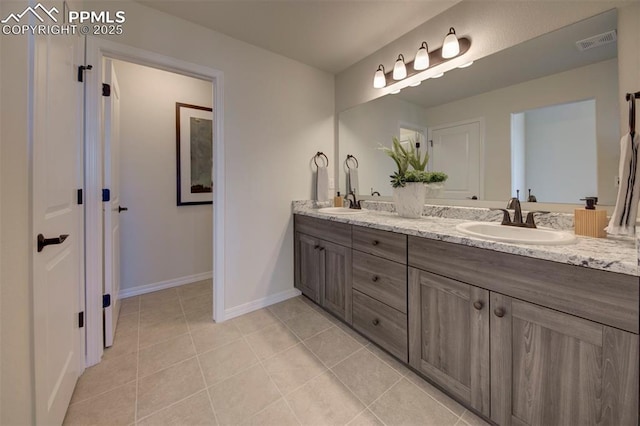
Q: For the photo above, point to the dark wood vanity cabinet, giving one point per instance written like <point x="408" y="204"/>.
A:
<point x="323" y="264"/>
<point x="522" y="341"/>
<point x="449" y="336"/>
<point x="552" y="368"/>
<point x="518" y="362"/>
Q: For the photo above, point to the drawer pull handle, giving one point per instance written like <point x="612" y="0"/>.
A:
<point x="499" y="312"/>
<point x="376" y="321"/>
<point x="478" y="305"/>
<point x="375" y="278"/>
<point x="321" y="248"/>
<point x="316" y="247"/>
<point x="375" y="242"/>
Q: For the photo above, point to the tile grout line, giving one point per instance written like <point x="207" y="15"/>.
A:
<point x="272" y="382"/>
<point x="204" y="380"/>
<point x="366" y="406"/>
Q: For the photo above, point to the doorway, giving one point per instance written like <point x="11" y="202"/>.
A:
<point x="148" y="142"/>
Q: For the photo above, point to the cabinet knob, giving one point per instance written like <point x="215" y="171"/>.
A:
<point x="375" y="278"/>
<point x="478" y="305"/>
<point x="376" y="321"/>
<point x="375" y="242"/>
<point x="499" y="312"/>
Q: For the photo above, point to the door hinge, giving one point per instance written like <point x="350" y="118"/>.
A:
<point x="106" y="195"/>
<point x="79" y="196"/>
<point x="106" y="300"/>
<point x="81" y="319"/>
<point x="106" y="89"/>
<point x="81" y="70"/>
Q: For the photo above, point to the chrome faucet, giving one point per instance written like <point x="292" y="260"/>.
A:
<point x="353" y="204"/>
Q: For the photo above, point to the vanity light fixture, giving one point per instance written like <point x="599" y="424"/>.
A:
<point x="399" y="69"/>
<point x="424" y="60"/>
<point x="417" y="83"/>
<point x="421" y="62"/>
<point x="450" y="46"/>
<point x="379" y="79"/>
<point x="395" y="92"/>
<point x="438" y="75"/>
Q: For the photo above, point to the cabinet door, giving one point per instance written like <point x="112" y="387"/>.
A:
<point x="550" y="368"/>
<point x="449" y="335"/>
<point x="336" y="279"/>
<point x="307" y="266"/>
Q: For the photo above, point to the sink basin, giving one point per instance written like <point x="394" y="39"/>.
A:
<point x="513" y="234"/>
<point x="340" y="210"/>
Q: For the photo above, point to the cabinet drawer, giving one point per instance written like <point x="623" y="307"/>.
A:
<point x="336" y="232"/>
<point x="382" y="324"/>
<point x="385" y="244"/>
<point x="382" y="279"/>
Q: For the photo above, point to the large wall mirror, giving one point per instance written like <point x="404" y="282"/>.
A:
<point x="542" y="115"/>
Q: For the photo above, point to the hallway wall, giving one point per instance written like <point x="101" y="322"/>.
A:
<point x="161" y="243"/>
<point x="277" y="114"/>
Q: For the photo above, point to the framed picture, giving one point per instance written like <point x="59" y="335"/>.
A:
<point x="194" y="149"/>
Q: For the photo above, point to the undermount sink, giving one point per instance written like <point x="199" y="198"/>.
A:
<point x="514" y="234"/>
<point x="340" y="210"/>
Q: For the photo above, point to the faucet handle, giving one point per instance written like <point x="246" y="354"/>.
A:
<point x="530" y="222"/>
<point x="506" y="217"/>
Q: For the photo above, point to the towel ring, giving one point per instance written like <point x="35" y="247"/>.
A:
<point x="351" y="157"/>
<point x="320" y="154"/>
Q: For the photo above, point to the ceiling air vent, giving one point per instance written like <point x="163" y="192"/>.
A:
<point x="597" y="40"/>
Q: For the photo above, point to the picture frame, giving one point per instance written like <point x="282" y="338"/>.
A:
<point x="194" y="154"/>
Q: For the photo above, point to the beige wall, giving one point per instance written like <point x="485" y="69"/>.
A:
<point x="277" y="114"/>
<point x="598" y="81"/>
<point x="159" y="240"/>
<point x="491" y="25"/>
<point x="16" y="373"/>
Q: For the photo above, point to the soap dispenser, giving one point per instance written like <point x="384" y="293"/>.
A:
<point x="337" y="200"/>
<point x="589" y="221"/>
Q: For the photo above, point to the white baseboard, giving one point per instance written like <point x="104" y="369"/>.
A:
<point x="236" y="311"/>
<point x="149" y="288"/>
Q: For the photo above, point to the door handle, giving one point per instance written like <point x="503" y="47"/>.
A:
<point x="122" y="209"/>
<point x="43" y="242"/>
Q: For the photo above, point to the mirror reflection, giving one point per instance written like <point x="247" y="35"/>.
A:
<point x="540" y="116"/>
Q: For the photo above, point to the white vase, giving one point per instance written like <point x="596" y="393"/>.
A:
<point x="433" y="190"/>
<point x="409" y="199"/>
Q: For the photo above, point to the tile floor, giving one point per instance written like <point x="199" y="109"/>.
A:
<point x="288" y="364"/>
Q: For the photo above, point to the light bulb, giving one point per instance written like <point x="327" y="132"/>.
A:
<point x="379" y="79"/>
<point x="421" y="62"/>
<point x="450" y="46"/>
<point x="417" y="83"/>
<point x="438" y="75"/>
<point x="399" y="69"/>
<point x="395" y="92"/>
<point x="468" y="64"/>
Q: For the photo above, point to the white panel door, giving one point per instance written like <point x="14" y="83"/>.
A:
<point x="455" y="150"/>
<point x="58" y="222"/>
<point x="112" y="208"/>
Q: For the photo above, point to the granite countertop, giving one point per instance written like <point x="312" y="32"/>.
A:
<point x="613" y="254"/>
